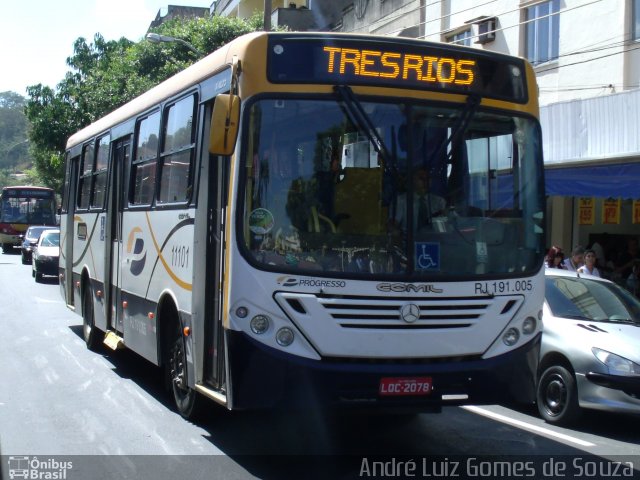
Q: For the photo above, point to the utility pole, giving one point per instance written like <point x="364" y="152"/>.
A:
<point x="267" y="15"/>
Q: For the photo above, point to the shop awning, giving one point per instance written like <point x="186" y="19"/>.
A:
<point x="619" y="180"/>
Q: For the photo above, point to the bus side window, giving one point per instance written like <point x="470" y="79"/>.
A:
<point x="178" y="151"/>
<point x="144" y="164"/>
<point x="84" y="186"/>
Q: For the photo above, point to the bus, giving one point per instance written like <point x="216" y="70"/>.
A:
<point x="22" y="207"/>
<point x="317" y="220"/>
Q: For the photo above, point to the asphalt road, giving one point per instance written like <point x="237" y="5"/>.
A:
<point x="82" y="414"/>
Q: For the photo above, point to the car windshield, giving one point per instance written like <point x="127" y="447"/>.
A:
<point x="591" y="300"/>
<point x="354" y="187"/>
<point x="34" y="232"/>
<point x="51" y="239"/>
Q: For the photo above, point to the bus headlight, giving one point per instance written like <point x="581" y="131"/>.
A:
<point x="242" y="312"/>
<point x="259" y="324"/>
<point x="529" y="325"/>
<point x="511" y="337"/>
<point x="284" y="337"/>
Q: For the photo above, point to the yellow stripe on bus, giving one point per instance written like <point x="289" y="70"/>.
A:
<point x="181" y="283"/>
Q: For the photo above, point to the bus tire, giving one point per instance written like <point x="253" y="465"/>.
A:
<point x="557" y="396"/>
<point x="89" y="331"/>
<point x="187" y="401"/>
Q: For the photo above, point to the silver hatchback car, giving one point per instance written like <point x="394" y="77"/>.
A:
<point x="590" y="353"/>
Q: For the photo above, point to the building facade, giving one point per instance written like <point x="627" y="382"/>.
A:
<point x="586" y="55"/>
<point x="175" y="11"/>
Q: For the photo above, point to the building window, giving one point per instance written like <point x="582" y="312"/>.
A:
<point x="543" y="31"/>
<point x="636" y="20"/>
<point x="461" y="38"/>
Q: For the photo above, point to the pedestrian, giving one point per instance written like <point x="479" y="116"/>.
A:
<point x="589" y="267"/>
<point x="626" y="259"/>
<point x="576" y="260"/>
<point x="633" y="280"/>
<point x="554" y="258"/>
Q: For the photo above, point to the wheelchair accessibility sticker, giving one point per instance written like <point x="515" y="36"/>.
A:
<point x="427" y="256"/>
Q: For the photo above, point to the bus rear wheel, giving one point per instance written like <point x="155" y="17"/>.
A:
<point x="188" y="402"/>
<point x="89" y="331"/>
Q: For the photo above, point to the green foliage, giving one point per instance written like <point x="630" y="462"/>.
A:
<point x="13" y="130"/>
<point x="14" y="145"/>
<point x="107" y="74"/>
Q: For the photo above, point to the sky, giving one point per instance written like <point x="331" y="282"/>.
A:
<point x="36" y="37"/>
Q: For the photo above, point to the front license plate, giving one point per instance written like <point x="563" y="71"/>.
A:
<point x="405" y="386"/>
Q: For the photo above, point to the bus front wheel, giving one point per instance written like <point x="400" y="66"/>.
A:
<point x="188" y="402"/>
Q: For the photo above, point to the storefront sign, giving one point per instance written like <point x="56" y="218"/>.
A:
<point x="636" y="212"/>
<point x="611" y="211"/>
<point x="587" y="211"/>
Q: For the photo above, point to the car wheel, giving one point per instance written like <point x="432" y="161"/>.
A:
<point x="38" y="276"/>
<point x="89" y="330"/>
<point x="24" y="259"/>
<point x="557" y="396"/>
<point x="33" y="269"/>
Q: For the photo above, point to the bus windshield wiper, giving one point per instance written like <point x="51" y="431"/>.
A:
<point x="361" y="120"/>
<point x="458" y="130"/>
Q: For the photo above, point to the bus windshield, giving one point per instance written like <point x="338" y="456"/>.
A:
<point x="426" y="190"/>
<point x="27" y="209"/>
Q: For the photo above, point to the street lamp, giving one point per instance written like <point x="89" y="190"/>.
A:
<point x="157" y="38"/>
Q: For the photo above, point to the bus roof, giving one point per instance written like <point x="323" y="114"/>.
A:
<point x="217" y="61"/>
<point x="172" y="86"/>
<point x="26" y="187"/>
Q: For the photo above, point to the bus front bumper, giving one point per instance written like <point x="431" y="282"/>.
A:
<point x="262" y="377"/>
<point x="9" y="239"/>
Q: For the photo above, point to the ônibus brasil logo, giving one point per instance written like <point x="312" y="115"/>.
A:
<point x="35" y="468"/>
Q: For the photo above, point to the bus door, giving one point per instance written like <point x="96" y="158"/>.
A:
<point x="213" y="192"/>
<point x="69" y="204"/>
<point x="121" y="152"/>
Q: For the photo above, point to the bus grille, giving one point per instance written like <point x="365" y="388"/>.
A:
<point x="431" y="313"/>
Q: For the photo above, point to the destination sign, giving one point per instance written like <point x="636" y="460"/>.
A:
<point x="395" y="62"/>
<point x="22" y="192"/>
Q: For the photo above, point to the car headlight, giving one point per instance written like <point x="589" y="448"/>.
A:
<point x="616" y="364"/>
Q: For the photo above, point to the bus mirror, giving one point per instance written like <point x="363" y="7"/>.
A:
<point x="224" y="124"/>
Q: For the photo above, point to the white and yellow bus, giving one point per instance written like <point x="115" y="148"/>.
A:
<point x="317" y="219"/>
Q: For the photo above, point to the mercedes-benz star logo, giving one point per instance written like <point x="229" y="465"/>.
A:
<point x="410" y="313"/>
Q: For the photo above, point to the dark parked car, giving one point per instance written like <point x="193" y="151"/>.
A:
<point x="46" y="254"/>
<point x="590" y="355"/>
<point x="30" y="240"/>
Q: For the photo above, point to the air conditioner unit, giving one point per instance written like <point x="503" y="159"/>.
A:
<point x="486" y="30"/>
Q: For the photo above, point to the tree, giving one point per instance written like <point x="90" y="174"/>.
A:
<point x="106" y="74"/>
<point x="13" y="130"/>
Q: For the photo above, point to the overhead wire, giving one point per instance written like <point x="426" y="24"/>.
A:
<point x="591" y="49"/>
